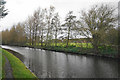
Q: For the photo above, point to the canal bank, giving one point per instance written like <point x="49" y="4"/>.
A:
<point x="20" y="56"/>
<point x="14" y="68"/>
<point x="78" y="51"/>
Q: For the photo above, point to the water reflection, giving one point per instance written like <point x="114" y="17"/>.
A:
<point x="49" y="64"/>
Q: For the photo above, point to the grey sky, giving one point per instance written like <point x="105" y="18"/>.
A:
<point x="20" y="9"/>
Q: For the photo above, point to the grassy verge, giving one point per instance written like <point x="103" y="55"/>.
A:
<point x="80" y="48"/>
<point x="19" y="69"/>
<point x="2" y="64"/>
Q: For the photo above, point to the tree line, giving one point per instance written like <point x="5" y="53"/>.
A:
<point x="45" y="27"/>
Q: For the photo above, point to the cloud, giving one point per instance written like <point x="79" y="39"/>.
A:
<point x="20" y="9"/>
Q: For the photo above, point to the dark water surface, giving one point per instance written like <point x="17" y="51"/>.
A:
<point x="49" y="64"/>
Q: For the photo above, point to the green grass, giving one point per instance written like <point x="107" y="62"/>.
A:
<point x="84" y="45"/>
<point x="19" y="69"/>
<point x="2" y="64"/>
<point x="109" y="51"/>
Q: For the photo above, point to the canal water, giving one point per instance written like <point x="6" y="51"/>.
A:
<point x="49" y="64"/>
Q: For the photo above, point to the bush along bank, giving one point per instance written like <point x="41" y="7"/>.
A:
<point x="106" y="51"/>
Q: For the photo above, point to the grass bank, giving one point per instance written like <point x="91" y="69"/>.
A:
<point x="2" y="64"/>
<point x="84" y="51"/>
<point x="79" y="48"/>
<point x="19" y="69"/>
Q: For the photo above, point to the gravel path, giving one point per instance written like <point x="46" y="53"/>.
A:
<point x="8" y="69"/>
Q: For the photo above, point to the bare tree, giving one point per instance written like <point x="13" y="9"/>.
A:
<point x="56" y="26"/>
<point x="28" y="26"/>
<point x="36" y="17"/>
<point x="96" y="22"/>
<point x="42" y="25"/>
<point x="70" y="21"/>
<point x="49" y="15"/>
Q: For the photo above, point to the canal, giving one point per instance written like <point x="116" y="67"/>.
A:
<point x="49" y="64"/>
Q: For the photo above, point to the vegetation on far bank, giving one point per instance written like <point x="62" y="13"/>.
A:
<point x="19" y="69"/>
<point x="79" y="48"/>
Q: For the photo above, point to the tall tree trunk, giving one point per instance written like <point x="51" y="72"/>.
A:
<point x="33" y="37"/>
<point x="48" y="31"/>
<point x="42" y="38"/>
<point x="46" y="44"/>
<point x="95" y="43"/>
<point x="68" y="37"/>
<point x="30" y="39"/>
<point x="56" y="38"/>
<point x="96" y="50"/>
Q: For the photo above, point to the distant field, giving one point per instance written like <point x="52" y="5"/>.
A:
<point x="84" y="45"/>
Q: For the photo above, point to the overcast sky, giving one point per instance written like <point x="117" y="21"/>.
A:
<point x="19" y="10"/>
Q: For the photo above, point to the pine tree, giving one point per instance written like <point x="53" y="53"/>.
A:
<point x="3" y="11"/>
